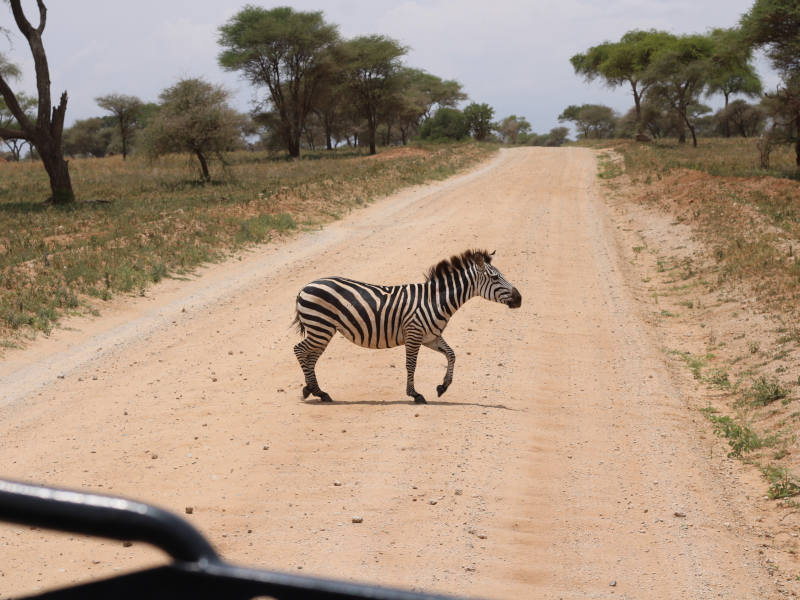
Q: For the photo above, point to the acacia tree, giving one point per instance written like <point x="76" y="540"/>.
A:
<point x="446" y="124"/>
<point x="46" y="131"/>
<point x="732" y="71"/>
<point x="371" y="65"/>
<point x="88" y="137"/>
<point x="775" y="26"/>
<point x="285" y="51"/>
<point x="418" y="92"/>
<point x="513" y="129"/>
<point x="732" y="66"/>
<point x="746" y="119"/>
<point x="194" y="117"/>
<point x="591" y="120"/>
<point x="678" y="74"/>
<point x="479" y="118"/>
<point x="330" y="95"/>
<point x="623" y="62"/>
<point x="126" y="111"/>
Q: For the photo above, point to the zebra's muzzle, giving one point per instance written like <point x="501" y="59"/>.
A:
<point x="516" y="299"/>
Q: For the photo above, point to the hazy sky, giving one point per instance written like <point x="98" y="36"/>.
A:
<point x="512" y="54"/>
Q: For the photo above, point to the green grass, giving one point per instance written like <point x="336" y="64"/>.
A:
<point x="694" y="362"/>
<point x="608" y="168"/>
<point x="741" y="438"/>
<point x="782" y="483"/>
<point x="137" y="222"/>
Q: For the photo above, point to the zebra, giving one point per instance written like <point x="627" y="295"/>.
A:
<point x="381" y="316"/>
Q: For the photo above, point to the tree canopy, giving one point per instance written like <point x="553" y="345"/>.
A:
<point x="371" y="67"/>
<point x="194" y="117"/>
<point x="287" y="52"/>
<point x="126" y="111"/>
<point x="775" y="26"/>
<point x="591" y="120"/>
<point x="445" y="124"/>
<point x="623" y="62"/>
<point x="479" y="118"/>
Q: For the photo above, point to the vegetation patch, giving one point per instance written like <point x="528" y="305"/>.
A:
<point x="722" y="264"/>
<point x="143" y="221"/>
<point x="765" y="391"/>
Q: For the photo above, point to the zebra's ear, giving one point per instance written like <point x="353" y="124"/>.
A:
<point x="479" y="260"/>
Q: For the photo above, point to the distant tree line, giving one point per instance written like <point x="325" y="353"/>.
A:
<point x="669" y="75"/>
<point x="315" y="89"/>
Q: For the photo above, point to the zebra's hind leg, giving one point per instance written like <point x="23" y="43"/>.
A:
<point x="308" y="352"/>
<point x="441" y="346"/>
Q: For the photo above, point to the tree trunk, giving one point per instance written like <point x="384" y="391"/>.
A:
<point x="203" y="165"/>
<point x="691" y="129"/>
<point x="372" y="126"/>
<point x="797" y="153"/>
<point x="46" y="132"/>
<point x="58" y="170"/>
<point x="637" y="102"/>
<point x="294" y="148"/>
<point x="726" y="126"/>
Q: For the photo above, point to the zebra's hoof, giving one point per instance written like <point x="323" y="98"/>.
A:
<point x="323" y="397"/>
<point x="306" y="392"/>
<point x="420" y="399"/>
<point x="441" y="389"/>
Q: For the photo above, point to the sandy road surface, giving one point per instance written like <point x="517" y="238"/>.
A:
<point x="553" y="467"/>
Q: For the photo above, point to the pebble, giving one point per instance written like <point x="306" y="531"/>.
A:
<point x="432" y="502"/>
<point x="358" y="519"/>
<point x="189" y="510"/>
<point x="337" y="483"/>
<point x="679" y="514"/>
<point x="613" y="584"/>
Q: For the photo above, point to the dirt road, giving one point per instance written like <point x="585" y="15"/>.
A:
<point x="563" y="462"/>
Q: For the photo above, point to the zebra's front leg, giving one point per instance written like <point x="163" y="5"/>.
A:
<point x="441" y="346"/>
<point x="413" y="342"/>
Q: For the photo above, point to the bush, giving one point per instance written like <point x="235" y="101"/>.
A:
<point x="448" y="124"/>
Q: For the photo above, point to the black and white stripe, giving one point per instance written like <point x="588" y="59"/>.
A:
<point x="380" y="316"/>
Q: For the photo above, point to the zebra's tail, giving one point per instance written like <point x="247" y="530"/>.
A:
<point x="301" y="329"/>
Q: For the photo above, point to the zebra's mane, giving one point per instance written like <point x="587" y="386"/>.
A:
<point x="458" y="263"/>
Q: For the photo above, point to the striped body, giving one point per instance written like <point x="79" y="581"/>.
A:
<point x="379" y="316"/>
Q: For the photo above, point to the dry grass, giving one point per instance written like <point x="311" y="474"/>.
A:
<point x="750" y="219"/>
<point x="137" y="222"/>
<point x="727" y="157"/>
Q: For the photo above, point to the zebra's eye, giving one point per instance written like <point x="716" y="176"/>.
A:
<point x="494" y="276"/>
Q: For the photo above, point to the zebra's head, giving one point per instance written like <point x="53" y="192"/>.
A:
<point x="492" y="285"/>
